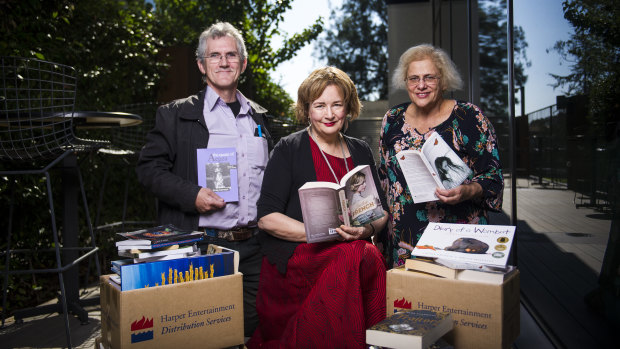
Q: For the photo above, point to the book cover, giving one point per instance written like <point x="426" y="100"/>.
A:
<point x="416" y="329"/>
<point x="156" y="237"/>
<point x="325" y="205"/>
<point x="217" y="170"/>
<point x="488" y="245"/>
<point x="151" y="274"/>
<point x="434" y="165"/>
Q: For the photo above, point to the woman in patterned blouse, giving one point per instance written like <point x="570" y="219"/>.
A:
<point x="426" y="73"/>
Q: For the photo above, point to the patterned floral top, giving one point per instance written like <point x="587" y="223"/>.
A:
<point x="472" y="137"/>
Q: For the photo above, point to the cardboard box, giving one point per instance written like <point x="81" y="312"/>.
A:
<point x="198" y="314"/>
<point x="485" y="315"/>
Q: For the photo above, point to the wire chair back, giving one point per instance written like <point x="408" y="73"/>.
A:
<point x="131" y="139"/>
<point x="37" y="100"/>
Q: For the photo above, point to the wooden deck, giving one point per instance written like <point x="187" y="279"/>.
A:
<point x="560" y="252"/>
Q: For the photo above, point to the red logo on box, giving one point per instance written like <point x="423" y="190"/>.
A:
<point x="142" y="325"/>
<point x="401" y="304"/>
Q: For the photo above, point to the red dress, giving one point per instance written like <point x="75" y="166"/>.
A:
<point x="331" y="292"/>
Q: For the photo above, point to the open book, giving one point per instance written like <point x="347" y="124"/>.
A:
<point x="435" y="165"/>
<point x="325" y="205"/>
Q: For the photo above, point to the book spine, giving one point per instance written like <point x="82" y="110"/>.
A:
<point x="344" y="204"/>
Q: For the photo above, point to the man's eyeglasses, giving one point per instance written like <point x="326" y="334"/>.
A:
<point x="430" y="80"/>
<point x="216" y="57"/>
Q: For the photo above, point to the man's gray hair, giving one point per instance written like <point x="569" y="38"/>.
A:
<point x="217" y="31"/>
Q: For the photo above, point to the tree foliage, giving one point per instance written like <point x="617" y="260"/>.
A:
<point x="493" y="51"/>
<point x="109" y="42"/>
<point x="593" y="52"/>
<point x="357" y="44"/>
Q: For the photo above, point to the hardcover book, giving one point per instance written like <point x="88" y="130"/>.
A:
<point x="466" y="272"/>
<point x="416" y="329"/>
<point x="434" y="165"/>
<point x="151" y="274"/>
<point x="487" y="245"/>
<point x="217" y="170"/>
<point x="325" y="205"/>
<point x="157" y="237"/>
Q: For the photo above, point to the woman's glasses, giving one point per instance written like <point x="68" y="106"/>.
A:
<point x="430" y="80"/>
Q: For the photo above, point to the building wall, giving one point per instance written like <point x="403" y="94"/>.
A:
<point x="449" y="24"/>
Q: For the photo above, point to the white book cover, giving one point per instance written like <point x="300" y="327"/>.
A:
<point x="467" y="243"/>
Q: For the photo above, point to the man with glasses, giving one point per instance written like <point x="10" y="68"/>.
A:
<point x="218" y="117"/>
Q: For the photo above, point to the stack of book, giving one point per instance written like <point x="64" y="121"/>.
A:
<point x="164" y="265"/>
<point x="469" y="252"/>
<point x="147" y="252"/>
<point x="158" y="243"/>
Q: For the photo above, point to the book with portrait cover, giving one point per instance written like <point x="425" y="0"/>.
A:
<point x="325" y="205"/>
<point x="417" y="329"/>
<point x="480" y="244"/>
<point x="217" y="170"/>
<point x="157" y="237"/>
<point x="434" y="165"/>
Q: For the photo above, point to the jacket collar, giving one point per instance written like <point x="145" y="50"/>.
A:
<point x="192" y="106"/>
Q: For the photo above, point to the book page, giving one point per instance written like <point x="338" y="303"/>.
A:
<point x="321" y="212"/>
<point x="419" y="179"/>
<point x="448" y="166"/>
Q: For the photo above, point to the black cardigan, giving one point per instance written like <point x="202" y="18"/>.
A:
<point x="289" y="167"/>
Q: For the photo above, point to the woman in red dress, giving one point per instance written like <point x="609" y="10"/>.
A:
<point x="322" y="294"/>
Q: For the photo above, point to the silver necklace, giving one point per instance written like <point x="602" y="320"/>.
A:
<point x="344" y="157"/>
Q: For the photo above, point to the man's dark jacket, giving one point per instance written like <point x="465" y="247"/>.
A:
<point x="167" y="164"/>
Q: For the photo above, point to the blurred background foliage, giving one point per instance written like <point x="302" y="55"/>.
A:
<point x="119" y="51"/>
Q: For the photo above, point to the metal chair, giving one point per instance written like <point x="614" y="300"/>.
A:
<point x="125" y="146"/>
<point x="36" y="135"/>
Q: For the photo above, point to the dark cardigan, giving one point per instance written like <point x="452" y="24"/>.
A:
<point x="289" y="167"/>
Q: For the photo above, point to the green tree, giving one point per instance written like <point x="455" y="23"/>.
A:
<point x="493" y="51"/>
<point x="109" y="42"/>
<point x="593" y="53"/>
<point x="357" y="44"/>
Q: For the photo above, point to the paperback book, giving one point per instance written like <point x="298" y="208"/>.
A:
<point x="434" y="165"/>
<point x="487" y="245"/>
<point x="168" y="251"/>
<point x="325" y="205"/>
<point x="417" y="329"/>
<point x="217" y="170"/>
<point x="157" y="237"/>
